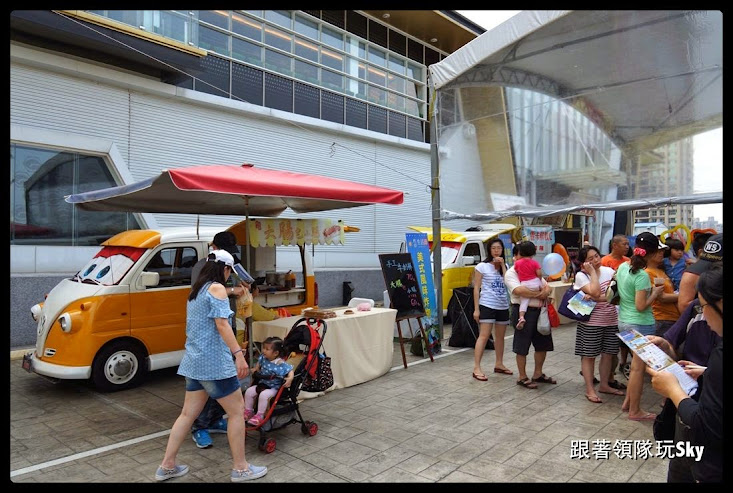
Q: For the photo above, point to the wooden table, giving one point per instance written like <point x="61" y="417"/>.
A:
<point x="360" y="345"/>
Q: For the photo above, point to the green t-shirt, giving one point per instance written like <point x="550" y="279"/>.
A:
<point x="628" y="285"/>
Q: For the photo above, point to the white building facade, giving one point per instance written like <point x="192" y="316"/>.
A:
<point x="80" y="124"/>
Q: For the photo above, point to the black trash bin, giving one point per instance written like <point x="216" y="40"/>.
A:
<point x="346" y="293"/>
<point x="464" y="331"/>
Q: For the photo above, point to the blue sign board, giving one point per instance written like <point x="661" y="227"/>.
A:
<point x="417" y="246"/>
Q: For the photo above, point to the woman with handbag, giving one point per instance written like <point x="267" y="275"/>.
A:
<point x="635" y="312"/>
<point x="597" y="335"/>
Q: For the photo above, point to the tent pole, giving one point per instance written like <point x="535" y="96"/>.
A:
<point x="435" y="197"/>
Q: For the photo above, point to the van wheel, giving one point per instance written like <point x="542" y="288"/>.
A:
<point x="118" y="366"/>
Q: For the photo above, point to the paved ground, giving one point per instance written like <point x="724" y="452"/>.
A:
<point x="430" y="423"/>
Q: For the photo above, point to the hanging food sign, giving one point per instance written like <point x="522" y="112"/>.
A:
<point x="279" y="231"/>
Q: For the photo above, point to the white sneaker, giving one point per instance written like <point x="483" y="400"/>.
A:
<point x="162" y="474"/>
<point x="253" y="472"/>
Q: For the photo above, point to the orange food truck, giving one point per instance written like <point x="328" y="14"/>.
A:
<point x="124" y="313"/>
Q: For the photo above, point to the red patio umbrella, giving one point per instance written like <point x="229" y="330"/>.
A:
<point x="234" y="190"/>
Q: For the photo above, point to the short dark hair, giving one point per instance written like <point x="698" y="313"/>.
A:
<point x="277" y="345"/>
<point x="527" y="249"/>
<point x="673" y="243"/>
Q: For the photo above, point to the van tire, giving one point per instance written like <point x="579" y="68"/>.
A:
<point x="119" y="365"/>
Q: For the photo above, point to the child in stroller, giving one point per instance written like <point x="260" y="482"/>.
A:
<point x="301" y="349"/>
<point x="272" y="372"/>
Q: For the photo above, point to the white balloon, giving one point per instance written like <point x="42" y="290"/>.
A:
<point x="553" y="264"/>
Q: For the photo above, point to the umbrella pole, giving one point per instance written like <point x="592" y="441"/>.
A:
<point x="248" y="322"/>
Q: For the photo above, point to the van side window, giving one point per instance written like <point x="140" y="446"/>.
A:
<point x="473" y="250"/>
<point x="174" y="266"/>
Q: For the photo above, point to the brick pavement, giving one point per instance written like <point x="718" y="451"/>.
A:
<point x="430" y="423"/>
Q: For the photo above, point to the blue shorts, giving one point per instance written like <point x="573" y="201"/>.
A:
<point x="215" y="388"/>
<point x="645" y="330"/>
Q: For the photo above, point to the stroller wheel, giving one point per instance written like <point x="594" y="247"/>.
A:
<point x="309" y="428"/>
<point x="268" y="446"/>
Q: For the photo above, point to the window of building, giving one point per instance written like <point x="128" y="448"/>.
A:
<point x="307" y="72"/>
<point x="245" y="26"/>
<point x="306" y="27"/>
<point x="332" y="38"/>
<point x="212" y="40"/>
<point x="39" y="180"/>
<point x="246" y="51"/>
<point x="337" y="50"/>
<point x="278" y="62"/>
<point x="279" y="17"/>
<point x="306" y="49"/>
<point x="278" y="38"/>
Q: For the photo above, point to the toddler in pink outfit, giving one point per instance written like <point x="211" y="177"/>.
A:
<point x="529" y="273"/>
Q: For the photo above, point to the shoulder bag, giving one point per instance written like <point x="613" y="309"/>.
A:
<point x="664" y="423"/>
<point x="563" y="309"/>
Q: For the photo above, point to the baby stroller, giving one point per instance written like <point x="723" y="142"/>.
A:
<point x="302" y="345"/>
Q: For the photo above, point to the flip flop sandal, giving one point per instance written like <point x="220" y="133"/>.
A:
<point x="594" y="399"/>
<point x="544" y="379"/>
<point x="617" y="385"/>
<point x="616" y="392"/>
<point x="644" y="417"/>
<point x="527" y="383"/>
<point x="505" y="371"/>
<point x="482" y="378"/>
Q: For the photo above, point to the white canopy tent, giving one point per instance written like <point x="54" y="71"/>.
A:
<point x="644" y="78"/>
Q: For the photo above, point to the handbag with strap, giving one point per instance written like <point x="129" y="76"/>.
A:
<point x="563" y="309"/>
<point x="612" y="294"/>
<point x="324" y="376"/>
<point x="543" y="322"/>
<point x="664" y="423"/>
<point x="553" y="316"/>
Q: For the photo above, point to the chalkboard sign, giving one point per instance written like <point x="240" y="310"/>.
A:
<point x="402" y="285"/>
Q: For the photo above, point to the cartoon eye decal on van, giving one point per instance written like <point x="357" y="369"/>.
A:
<point x="89" y="270"/>
<point x="103" y="272"/>
<point x="110" y="265"/>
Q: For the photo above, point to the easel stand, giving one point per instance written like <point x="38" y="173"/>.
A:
<point x="402" y="344"/>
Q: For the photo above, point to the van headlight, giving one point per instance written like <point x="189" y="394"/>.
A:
<point x="65" y="322"/>
<point x="36" y="311"/>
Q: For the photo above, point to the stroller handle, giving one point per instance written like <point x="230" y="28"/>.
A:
<point x="313" y="320"/>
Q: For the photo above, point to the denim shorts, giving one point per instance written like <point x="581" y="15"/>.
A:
<point x="646" y="330"/>
<point x="215" y="388"/>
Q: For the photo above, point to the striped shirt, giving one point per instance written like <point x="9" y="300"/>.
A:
<point x="604" y="313"/>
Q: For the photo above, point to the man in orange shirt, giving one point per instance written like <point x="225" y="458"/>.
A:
<point x="619" y="247"/>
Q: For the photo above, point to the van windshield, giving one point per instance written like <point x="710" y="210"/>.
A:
<point x="448" y="251"/>
<point x="109" y="266"/>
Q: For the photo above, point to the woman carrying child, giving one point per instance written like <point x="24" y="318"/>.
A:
<point x="274" y="372"/>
